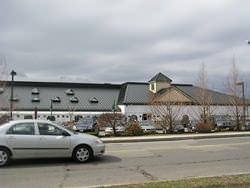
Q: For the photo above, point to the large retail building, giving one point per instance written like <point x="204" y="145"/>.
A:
<point x="67" y="100"/>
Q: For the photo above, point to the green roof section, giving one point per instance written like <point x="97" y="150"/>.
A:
<point x="160" y="78"/>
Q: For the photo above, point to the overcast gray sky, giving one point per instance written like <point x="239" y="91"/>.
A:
<point x="124" y="40"/>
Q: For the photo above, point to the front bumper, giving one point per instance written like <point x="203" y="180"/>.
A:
<point x="99" y="150"/>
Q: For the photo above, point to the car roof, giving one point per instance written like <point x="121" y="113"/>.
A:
<point x="29" y="120"/>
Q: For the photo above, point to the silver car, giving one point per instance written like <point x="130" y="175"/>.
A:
<point x="39" y="138"/>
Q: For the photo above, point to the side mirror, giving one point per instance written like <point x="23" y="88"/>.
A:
<point x="64" y="133"/>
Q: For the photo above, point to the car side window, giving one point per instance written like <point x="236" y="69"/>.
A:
<point x="48" y="129"/>
<point x="22" y="129"/>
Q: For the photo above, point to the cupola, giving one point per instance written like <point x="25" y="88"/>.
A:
<point x="159" y="82"/>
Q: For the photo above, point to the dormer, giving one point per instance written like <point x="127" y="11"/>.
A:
<point x="159" y="82"/>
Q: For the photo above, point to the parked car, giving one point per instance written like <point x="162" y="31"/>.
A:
<point x="147" y="126"/>
<point x="85" y="124"/>
<point x="118" y="129"/>
<point x="223" y="122"/>
<point x="81" y="127"/>
<point x="40" y="138"/>
<point x="179" y="128"/>
<point x="247" y="125"/>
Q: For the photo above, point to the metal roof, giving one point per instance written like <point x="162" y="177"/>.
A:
<point x="104" y="96"/>
<point x="91" y="97"/>
<point x="134" y="93"/>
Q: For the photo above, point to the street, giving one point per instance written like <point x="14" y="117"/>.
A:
<point x="126" y="163"/>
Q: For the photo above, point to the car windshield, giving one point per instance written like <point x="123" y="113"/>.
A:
<point x="86" y="121"/>
<point x="222" y="118"/>
<point x="146" y="123"/>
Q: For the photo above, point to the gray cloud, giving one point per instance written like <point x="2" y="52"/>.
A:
<point x="124" y="40"/>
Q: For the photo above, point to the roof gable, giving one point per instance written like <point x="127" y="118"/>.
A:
<point x="173" y="94"/>
<point x="216" y="98"/>
<point x="160" y="78"/>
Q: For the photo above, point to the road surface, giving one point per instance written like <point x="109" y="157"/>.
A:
<point x="135" y="163"/>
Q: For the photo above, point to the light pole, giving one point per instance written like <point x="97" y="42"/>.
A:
<point x="244" y="101"/>
<point x="51" y="107"/>
<point x="13" y="73"/>
<point x="248" y="42"/>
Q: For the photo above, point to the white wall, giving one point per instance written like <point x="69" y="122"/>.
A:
<point x="191" y="110"/>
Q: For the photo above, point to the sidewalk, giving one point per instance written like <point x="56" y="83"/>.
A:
<point x="172" y="137"/>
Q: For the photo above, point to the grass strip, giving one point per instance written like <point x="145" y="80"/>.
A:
<point x="237" y="181"/>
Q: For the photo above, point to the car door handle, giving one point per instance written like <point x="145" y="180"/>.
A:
<point x="12" y="138"/>
<point x="42" y="138"/>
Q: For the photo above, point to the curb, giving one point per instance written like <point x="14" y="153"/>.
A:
<point x="173" y="138"/>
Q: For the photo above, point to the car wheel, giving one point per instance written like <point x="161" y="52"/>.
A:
<point x="82" y="154"/>
<point x="4" y="157"/>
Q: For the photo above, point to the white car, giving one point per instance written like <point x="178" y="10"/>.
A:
<point x="39" y="139"/>
<point x="147" y="126"/>
<point x="118" y="129"/>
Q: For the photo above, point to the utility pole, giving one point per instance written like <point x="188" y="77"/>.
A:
<point x="13" y="73"/>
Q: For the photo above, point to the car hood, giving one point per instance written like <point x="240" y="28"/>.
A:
<point x="147" y="127"/>
<point x="82" y="125"/>
<point x="83" y="135"/>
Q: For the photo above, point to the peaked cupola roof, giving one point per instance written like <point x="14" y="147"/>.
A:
<point x="160" y="77"/>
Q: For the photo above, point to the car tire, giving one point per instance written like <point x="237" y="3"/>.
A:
<point x="82" y="154"/>
<point x="4" y="157"/>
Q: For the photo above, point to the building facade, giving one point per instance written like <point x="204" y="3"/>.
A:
<point x="66" y="101"/>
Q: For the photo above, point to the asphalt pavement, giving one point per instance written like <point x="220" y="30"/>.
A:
<point x="135" y="162"/>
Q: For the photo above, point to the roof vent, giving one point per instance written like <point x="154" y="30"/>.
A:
<point x="74" y="100"/>
<point x="35" y="99"/>
<point x="35" y="91"/>
<point x="69" y="92"/>
<point x="93" y="100"/>
<point x="1" y="90"/>
<point x="15" y="99"/>
<point x="56" y="99"/>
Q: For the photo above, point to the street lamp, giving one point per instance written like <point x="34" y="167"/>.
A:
<point x="244" y="101"/>
<point x="51" y="107"/>
<point x="13" y="73"/>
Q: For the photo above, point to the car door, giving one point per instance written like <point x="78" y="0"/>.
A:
<point x="22" y="140"/>
<point x="52" y="142"/>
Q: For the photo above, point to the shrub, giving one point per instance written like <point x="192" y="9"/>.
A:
<point x="204" y="127"/>
<point x="4" y="119"/>
<point x="185" y="120"/>
<point x="134" y="129"/>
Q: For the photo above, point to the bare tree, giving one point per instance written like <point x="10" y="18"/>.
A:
<point x="165" y="111"/>
<point x="234" y="92"/>
<point x="3" y="82"/>
<point x="204" y="98"/>
<point x="111" y="120"/>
